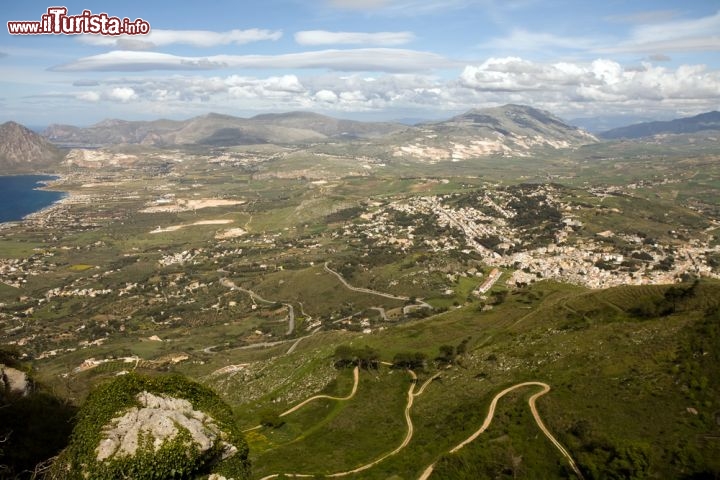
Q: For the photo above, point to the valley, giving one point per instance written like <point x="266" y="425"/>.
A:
<point x="362" y="311"/>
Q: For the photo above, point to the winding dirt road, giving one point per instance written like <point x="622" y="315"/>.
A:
<point x="411" y="431"/>
<point x="411" y="394"/>
<point x="356" y="377"/>
<point x="533" y="408"/>
<point x="226" y="282"/>
<point x="408" y="436"/>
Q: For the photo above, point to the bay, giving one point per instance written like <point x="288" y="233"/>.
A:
<point x="19" y="196"/>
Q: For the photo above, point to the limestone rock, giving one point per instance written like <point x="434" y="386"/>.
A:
<point x="161" y="427"/>
<point x="160" y="418"/>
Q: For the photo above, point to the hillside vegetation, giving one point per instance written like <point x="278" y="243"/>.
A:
<point x="632" y="395"/>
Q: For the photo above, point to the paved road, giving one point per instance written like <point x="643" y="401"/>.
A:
<point x="489" y="417"/>
<point x="372" y="292"/>
<point x="226" y="282"/>
<point x="382" y="313"/>
<point x="297" y="342"/>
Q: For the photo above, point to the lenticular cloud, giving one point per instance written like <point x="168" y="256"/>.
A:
<point x="600" y="80"/>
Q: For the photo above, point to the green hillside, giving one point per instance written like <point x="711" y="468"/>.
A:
<point x="631" y="396"/>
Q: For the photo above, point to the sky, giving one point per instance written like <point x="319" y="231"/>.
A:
<point x="366" y="59"/>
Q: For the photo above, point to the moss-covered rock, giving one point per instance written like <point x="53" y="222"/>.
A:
<point x="153" y="428"/>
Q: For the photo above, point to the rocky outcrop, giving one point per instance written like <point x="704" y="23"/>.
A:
<point x="99" y="158"/>
<point x="160" y="419"/>
<point x="14" y="381"/>
<point x="153" y="427"/>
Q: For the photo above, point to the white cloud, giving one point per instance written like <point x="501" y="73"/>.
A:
<point x="195" y="38"/>
<point x="323" y="37"/>
<point x="522" y="40"/>
<point x="361" y="59"/>
<point x="647" y="16"/>
<point x="705" y="26"/>
<point x="601" y="87"/>
<point x="326" y="96"/>
<point x="88" y="96"/>
<point x="285" y="88"/>
<point x="351" y="93"/>
<point x="397" y="91"/>
<point x="286" y="83"/>
<point x="122" y="94"/>
<point x="659" y="57"/>
<point x="658" y="37"/>
<point x="416" y="7"/>
<point x="511" y="74"/>
<point x="604" y="82"/>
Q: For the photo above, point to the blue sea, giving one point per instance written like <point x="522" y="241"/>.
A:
<point x="19" y="196"/>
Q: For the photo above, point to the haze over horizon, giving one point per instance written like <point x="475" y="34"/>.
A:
<point x="368" y="60"/>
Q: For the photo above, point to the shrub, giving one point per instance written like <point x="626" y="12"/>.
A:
<point x="176" y="458"/>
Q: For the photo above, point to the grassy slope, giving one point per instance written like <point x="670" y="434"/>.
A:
<point x="618" y="399"/>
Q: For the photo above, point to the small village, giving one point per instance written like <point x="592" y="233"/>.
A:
<point x="590" y="261"/>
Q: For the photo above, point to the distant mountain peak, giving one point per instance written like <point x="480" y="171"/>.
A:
<point x="21" y="149"/>
<point x="698" y="123"/>
<point x="293" y="114"/>
<point x="110" y="122"/>
<point x="13" y="125"/>
<point x="507" y="130"/>
<point x="217" y="116"/>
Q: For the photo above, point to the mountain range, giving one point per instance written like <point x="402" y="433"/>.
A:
<point x="698" y="123"/>
<point x="511" y="124"/>
<point x="220" y="130"/>
<point x="509" y="130"/>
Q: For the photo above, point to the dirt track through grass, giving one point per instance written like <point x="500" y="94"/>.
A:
<point x="411" y="394"/>
<point x="533" y="408"/>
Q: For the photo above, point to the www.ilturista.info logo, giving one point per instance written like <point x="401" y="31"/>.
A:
<point x="57" y="22"/>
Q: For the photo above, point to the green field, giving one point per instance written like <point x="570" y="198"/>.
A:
<point x="633" y="370"/>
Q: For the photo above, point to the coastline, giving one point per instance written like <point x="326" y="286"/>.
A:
<point x="57" y="204"/>
<point x="50" y="184"/>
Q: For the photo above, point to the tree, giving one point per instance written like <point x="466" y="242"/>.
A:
<point x="344" y="356"/>
<point x="363" y="357"/>
<point x="500" y="297"/>
<point x="462" y="347"/>
<point x="271" y="418"/>
<point x="410" y="360"/>
<point x="368" y="358"/>
<point x="447" y="354"/>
